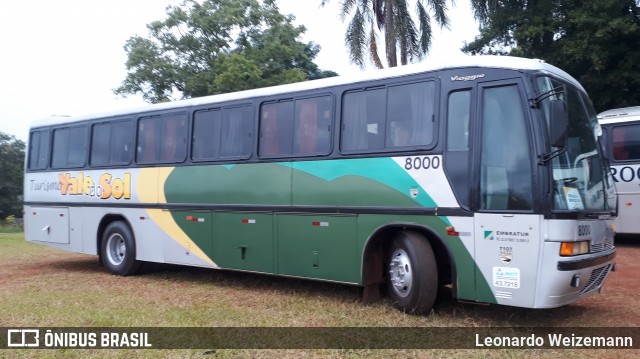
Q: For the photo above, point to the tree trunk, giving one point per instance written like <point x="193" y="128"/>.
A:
<point x="390" y="33"/>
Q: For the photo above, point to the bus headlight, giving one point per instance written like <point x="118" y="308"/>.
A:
<point x="574" y="248"/>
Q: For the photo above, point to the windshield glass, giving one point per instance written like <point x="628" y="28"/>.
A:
<point x="581" y="175"/>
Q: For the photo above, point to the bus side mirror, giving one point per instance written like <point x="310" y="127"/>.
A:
<point x="559" y="123"/>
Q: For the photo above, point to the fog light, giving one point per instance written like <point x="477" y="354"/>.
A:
<point x="575" y="281"/>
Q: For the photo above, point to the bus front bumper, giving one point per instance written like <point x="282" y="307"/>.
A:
<point x="574" y="279"/>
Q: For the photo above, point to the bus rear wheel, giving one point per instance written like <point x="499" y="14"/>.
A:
<point x="412" y="273"/>
<point x="118" y="252"/>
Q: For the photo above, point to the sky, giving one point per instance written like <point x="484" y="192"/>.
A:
<point x="66" y="57"/>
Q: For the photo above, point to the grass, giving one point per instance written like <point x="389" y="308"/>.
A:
<point x="10" y="229"/>
<point x="44" y="287"/>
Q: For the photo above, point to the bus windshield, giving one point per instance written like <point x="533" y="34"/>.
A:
<point x="581" y="175"/>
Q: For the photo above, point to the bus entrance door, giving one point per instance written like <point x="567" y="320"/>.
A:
<point x="507" y="235"/>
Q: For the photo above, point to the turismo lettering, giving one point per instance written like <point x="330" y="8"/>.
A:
<point x="107" y="186"/>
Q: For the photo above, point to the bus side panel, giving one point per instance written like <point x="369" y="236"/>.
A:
<point x="367" y="182"/>
<point x="393" y="183"/>
<point x="159" y="238"/>
<point x="318" y="246"/>
<point x="244" y="241"/>
<point x="247" y="186"/>
<point x="241" y="184"/>
<point x="628" y="213"/>
<point x="47" y="224"/>
<point x="148" y="235"/>
<point x="198" y="226"/>
<point x="91" y="217"/>
<point x="627" y="181"/>
<point x="461" y="245"/>
<point x="308" y="243"/>
<point x="76" y="225"/>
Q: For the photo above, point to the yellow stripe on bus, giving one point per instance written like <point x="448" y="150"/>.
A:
<point x="150" y="188"/>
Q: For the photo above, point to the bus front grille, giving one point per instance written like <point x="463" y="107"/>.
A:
<point x="597" y="276"/>
<point x="601" y="247"/>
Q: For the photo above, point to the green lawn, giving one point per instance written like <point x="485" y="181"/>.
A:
<point x="45" y="287"/>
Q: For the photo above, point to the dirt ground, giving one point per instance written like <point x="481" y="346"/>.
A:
<point x="618" y="304"/>
<point x="68" y="289"/>
<point x="619" y="301"/>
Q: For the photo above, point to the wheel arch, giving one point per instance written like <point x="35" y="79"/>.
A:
<point x="104" y="222"/>
<point x="377" y="247"/>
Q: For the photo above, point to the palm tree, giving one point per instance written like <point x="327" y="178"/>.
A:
<point x="393" y="19"/>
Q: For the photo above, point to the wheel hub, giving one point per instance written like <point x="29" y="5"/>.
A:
<point x="400" y="273"/>
<point x="116" y="249"/>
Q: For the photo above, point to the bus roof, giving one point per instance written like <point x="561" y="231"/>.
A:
<point x="619" y="115"/>
<point x="464" y="61"/>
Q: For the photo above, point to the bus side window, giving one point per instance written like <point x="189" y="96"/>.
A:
<point x="121" y="141"/>
<point x="456" y="160"/>
<point x="619" y="152"/>
<point x="146" y="151"/>
<point x="410" y="114"/>
<point x="69" y="147"/>
<point x="162" y="139"/>
<point x="100" y="139"/>
<point x="626" y="142"/>
<point x="111" y="143"/>
<point x="39" y="150"/>
<point x="206" y="133"/>
<point x="306" y="127"/>
<point x="170" y="140"/>
<point x="505" y="175"/>
<point x="276" y="128"/>
<point x="174" y="138"/>
<point x="236" y="132"/>
<point x="325" y="123"/>
<point x="458" y="121"/>
<point x="363" y="120"/>
<point x="269" y="144"/>
<point x="312" y="125"/>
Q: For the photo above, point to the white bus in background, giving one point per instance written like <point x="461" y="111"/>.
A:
<point x="621" y="128"/>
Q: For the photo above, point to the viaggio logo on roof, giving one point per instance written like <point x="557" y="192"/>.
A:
<point x="467" y="78"/>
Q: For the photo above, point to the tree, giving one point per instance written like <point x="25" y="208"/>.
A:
<point x="11" y="175"/>
<point x="393" y="18"/>
<point x="596" y="41"/>
<point x="215" y="46"/>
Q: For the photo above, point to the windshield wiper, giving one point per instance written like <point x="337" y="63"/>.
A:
<point x="542" y="159"/>
<point x="554" y="91"/>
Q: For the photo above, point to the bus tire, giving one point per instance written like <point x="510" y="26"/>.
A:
<point x="119" y="249"/>
<point x="412" y="273"/>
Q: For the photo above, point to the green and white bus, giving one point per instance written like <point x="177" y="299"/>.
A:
<point x="482" y="173"/>
<point x="621" y="130"/>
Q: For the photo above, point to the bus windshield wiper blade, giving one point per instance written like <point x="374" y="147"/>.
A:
<point x="543" y="159"/>
<point x="544" y="95"/>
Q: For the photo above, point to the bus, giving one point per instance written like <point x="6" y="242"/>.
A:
<point x="621" y="129"/>
<point x="482" y="176"/>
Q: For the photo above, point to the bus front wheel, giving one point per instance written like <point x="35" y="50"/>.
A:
<point x="413" y="273"/>
<point x="119" y="249"/>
